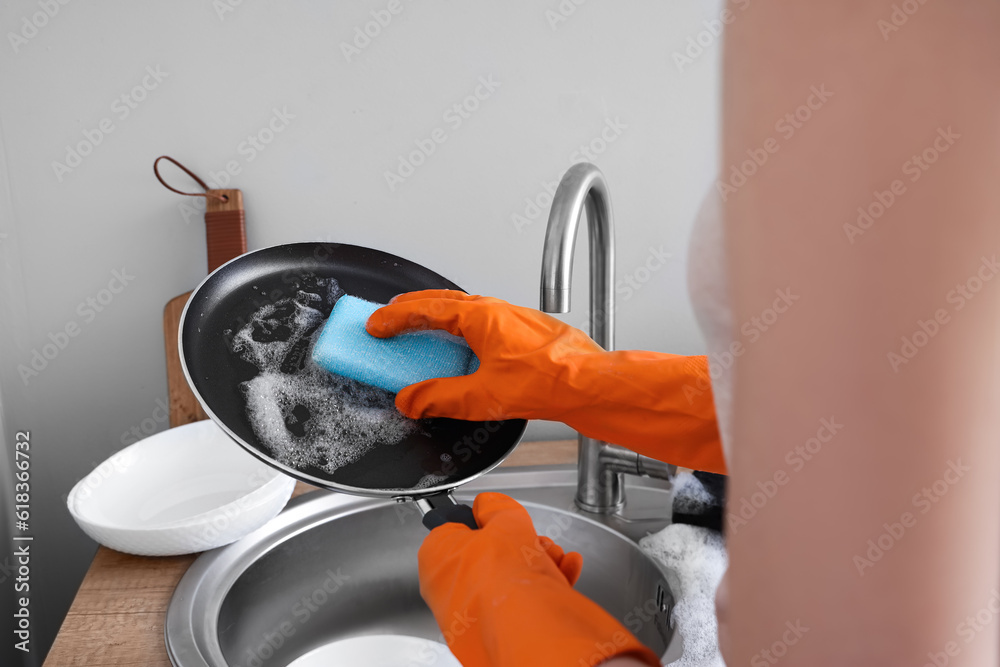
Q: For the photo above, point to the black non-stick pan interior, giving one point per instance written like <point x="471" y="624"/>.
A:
<point x="453" y="451"/>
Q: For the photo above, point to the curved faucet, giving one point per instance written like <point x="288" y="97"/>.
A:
<point x="583" y="188"/>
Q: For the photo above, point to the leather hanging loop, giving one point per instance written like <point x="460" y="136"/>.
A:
<point x="225" y="218"/>
<point x="208" y="194"/>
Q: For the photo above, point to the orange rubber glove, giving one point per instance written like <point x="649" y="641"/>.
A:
<point x="533" y="366"/>
<point x="503" y="596"/>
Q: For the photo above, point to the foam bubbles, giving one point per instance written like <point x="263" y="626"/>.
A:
<point x="427" y="481"/>
<point x="690" y="495"/>
<point x="304" y="415"/>
<point x="698" y="557"/>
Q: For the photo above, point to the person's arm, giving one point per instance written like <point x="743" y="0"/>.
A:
<point x="874" y="400"/>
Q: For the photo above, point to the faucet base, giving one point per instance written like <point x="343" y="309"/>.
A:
<point x="594" y="509"/>
<point x="600" y="489"/>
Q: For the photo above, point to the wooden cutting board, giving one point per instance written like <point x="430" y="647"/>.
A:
<point x="184" y="407"/>
<point x="226" y="239"/>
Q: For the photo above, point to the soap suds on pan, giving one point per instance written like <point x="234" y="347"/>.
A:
<point x="304" y="415"/>
<point x="427" y="481"/>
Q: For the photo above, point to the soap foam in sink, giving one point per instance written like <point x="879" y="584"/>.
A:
<point x="304" y="415"/>
<point x="698" y="557"/>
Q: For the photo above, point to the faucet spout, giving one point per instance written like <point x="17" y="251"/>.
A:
<point x="583" y="189"/>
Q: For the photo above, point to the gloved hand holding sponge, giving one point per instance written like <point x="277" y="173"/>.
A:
<point x="533" y="366"/>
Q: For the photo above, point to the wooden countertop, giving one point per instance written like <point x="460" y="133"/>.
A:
<point x="117" y="617"/>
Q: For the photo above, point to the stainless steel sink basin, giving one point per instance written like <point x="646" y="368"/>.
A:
<point x="332" y="566"/>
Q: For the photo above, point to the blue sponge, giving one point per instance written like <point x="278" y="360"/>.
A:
<point x="344" y="347"/>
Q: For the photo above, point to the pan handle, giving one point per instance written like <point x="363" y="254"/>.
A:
<point x="441" y="508"/>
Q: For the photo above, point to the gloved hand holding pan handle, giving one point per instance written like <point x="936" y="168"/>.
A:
<point x="533" y="366"/>
<point x="503" y="596"/>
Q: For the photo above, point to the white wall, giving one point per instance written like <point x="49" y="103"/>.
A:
<point x="63" y="234"/>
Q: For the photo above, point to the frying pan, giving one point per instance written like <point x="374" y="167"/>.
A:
<point x="455" y="451"/>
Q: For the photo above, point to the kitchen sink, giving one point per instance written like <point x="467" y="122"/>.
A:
<point x="333" y="567"/>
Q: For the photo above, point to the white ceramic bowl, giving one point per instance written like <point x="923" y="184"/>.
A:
<point x="183" y="490"/>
